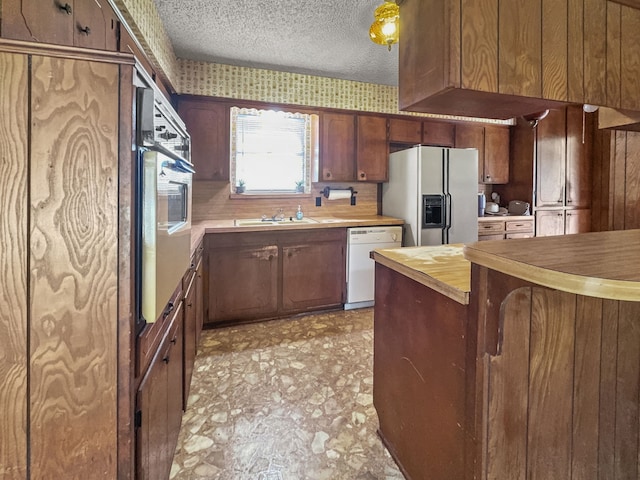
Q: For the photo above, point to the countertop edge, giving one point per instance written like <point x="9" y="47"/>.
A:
<point x="423" y="278"/>
<point x="568" y="282"/>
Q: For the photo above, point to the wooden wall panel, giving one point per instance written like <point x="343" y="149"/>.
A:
<point x="575" y="50"/>
<point x="614" y="59"/>
<point x="555" y="49"/>
<point x="607" y="397"/>
<point x="594" y="60"/>
<point x="73" y="268"/>
<point x="508" y="395"/>
<point x="13" y="265"/>
<point x="520" y="54"/>
<point x="632" y="181"/>
<point x="479" y="45"/>
<point x="630" y="52"/>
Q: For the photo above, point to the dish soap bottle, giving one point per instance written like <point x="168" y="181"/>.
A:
<point x="299" y="214"/>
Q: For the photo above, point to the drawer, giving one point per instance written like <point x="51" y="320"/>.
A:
<point x="520" y="235"/>
<point x="496" y="236"/>
<point x="520" y="226"/>
<point x="490" y="227"/>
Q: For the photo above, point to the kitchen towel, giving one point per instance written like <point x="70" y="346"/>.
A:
<point x="339" y="194"/>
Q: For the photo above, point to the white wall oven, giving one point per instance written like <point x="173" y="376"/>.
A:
<point x="164" y="176"/>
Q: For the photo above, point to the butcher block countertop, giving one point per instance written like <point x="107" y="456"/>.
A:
<point x="597" y="264"/>
<point x="198" y="229"/>
<point x="442" y="268"/>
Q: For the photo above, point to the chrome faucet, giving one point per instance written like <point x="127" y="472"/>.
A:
<point x="278" y="216"/>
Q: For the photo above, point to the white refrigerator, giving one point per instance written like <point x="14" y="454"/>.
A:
<point x="435" y="191"/>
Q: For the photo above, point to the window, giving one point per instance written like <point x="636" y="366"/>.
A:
<point x="272" y="152"/>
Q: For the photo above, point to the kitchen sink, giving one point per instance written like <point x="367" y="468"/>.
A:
<point x="270" y="223"/>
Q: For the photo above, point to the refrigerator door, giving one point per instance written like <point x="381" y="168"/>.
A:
<point x="463" y="195"/>
<point x="432" y="184"/>
<point x="400" y="195"/>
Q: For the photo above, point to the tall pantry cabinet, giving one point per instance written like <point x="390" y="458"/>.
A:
<point x="65" y="261"/>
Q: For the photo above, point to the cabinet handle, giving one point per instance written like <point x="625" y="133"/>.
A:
<point x="363" y="175"/>
<point x="166" y="359"/>
<point x="328" y="174"/>
<point x="488" y="177"/>
<point x="174" y="340"/>
<point x="569" y="200"/>
<point x="190" y="304"/>
<point x="66" y="8"/>
<point x="86" y="30"/>
<point x="168" y="310"/>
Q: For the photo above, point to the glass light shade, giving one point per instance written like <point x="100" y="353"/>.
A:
<point x="385" y="28"/>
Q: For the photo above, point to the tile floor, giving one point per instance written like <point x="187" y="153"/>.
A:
<point x="286" y="399"/>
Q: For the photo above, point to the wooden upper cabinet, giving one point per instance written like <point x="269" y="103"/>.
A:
<point x="472" y="136"/>
<point x="496" y="155"/>
<point x="337" y="147"/>
<point x="494" y="59"/>
<point x="551" y="160"/>
<point x="579" y="150"/>
<point x="439" y="134"/>
<point x="80" y="23"/>
<point x="405" y="131"/>
<point x="372" y="154"/>
<point x="208" y="125"/>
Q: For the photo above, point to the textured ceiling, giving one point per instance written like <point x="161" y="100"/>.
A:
<point x="328" y="38"/>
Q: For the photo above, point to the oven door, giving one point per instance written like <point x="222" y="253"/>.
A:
<point x="166" y="229"/>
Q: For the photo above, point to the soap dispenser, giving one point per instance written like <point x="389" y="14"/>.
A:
<point x="299" y="214"/>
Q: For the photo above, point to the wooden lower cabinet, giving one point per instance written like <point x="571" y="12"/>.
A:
<point x="159" y="405"/>
<point x="190" y="335"/>
<point x="499" y="228"/>
<point x="256" y="275"/>
<point x="562" y="222"/>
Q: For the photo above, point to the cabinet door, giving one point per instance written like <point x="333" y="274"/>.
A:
<point x="549" y="222"/>
<point x="243" y="282"/>
<point x="94" y="25"/>
<point x="313" y="275"/>
<point x="337" y="147"/>
<point x="190" y="336"/>
<point x="208" y="125"/>
<point x="577" y="221"/>
<point x="496" y="155"/>
<point x="405" y="131"/>
<point x="372" y="156"/>
<point x="551" y="160"/>
<point x="199" y="301"/>
<point x="47" y="21"/>
<point x="439" y="134"/>
<point x="472" y="136"/>
<point x="175" y="380"/>
<point x="578" y="168"/>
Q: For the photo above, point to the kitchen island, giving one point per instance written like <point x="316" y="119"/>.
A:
<point x="536" y="376"/>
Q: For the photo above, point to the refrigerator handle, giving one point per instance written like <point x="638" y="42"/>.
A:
<point x="447" y="216"/>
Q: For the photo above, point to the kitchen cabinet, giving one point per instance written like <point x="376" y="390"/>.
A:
<point x="337" y="147"/>
<point x="496" y="59"/>
<point x="257" y="275"/>
<point x="312" y="268"/>
<point x="80" y="23"/>
<point x="208" y="125"/>
<point x="499" y="228"/>
<point x="65" y="195"/>
<point x="160" y="401"/>
<point x="427" y="132"/>
<point x="372" y="149"/>
<point x="190" y="337"/>
<point x="405" y="131"/>
<point x="438" y="134"/>
<point x="492" y="143"/>
<point x="562" y="221"/>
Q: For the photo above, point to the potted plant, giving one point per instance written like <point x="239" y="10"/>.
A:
<point x="240" y="186"/>
<point x="300" y="186"/>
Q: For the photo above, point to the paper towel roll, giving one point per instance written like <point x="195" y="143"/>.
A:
<point x="339" y="194"/>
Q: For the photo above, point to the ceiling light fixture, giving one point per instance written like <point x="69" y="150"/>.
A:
<point x="385" y="28"/>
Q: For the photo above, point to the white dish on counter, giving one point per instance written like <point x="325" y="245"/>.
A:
<point x="501" y="212"/>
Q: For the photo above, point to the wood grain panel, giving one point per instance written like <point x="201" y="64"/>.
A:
<point x="554" y="49"/>
<point x="594" y="56"/>
<point x="550" y="384"/>
<point x="632" y="181"/>
<point x="586" y="385"/>
<point x="614" y="59"/>
<point x="627" y="390"/>
<point x="607" y="397"/>
<point x="506" y="436"/>
<point x="630" y="52"/>
<point x="520" y="55"/>
<point x="74" y="219"/>
<point x="479" y="45"/>
<point x="575" y="51"/>
<point x="13" y="265"/>
<point x="619" y="150"/>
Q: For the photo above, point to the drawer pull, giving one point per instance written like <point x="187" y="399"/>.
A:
<point x="66" y="8"/>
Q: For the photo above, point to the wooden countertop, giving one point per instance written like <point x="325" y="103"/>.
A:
<point x="198" y="229"/>
<point x="501" y="218"/>
<point x="442" y="268"/>
<point x="598" y="264"/>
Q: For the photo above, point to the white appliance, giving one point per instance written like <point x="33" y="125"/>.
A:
<point x="435" y="191"/>
<point x="360" y="266"/>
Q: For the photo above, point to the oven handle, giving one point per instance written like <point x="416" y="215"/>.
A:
<point x="181" y="164"/>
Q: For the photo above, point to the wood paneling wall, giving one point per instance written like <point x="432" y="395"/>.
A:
<point x="563" y="388"/>
<point x="211" y="201"/>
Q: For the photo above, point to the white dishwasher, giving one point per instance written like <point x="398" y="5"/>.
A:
<point x="360" y="266"/>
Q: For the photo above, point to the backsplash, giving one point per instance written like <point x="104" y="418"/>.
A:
<point x="211" y="202"/>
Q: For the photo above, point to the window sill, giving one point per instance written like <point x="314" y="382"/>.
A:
<point x="262" y="196"/>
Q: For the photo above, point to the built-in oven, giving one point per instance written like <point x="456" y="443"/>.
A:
<point x="163" y="210"/>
